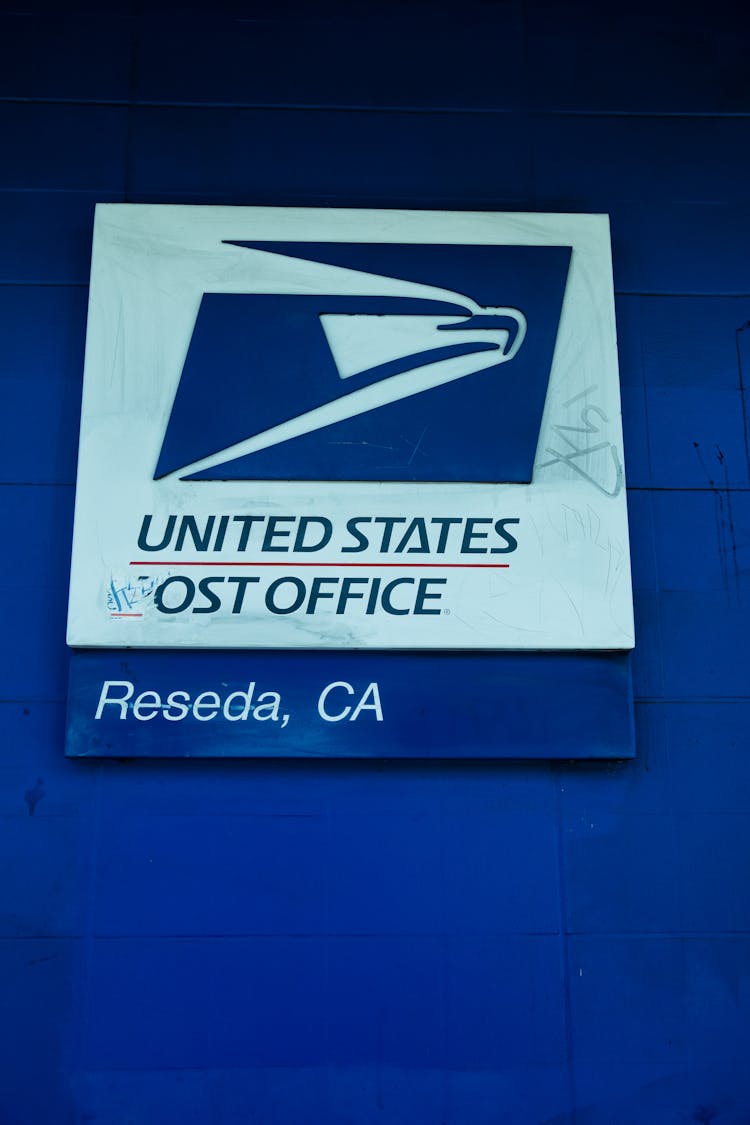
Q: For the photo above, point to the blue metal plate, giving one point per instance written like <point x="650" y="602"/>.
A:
<point x="351" y="705"/>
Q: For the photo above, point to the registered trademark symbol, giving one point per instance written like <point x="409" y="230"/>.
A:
<point x="446" y="611"/>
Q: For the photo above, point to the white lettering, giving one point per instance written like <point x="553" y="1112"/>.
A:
<point x="147" y="700"/>
<point x="272" y="707"/>
<point x="244" y="711"/>
<point x="174" y="701"/>
<point x="324" y="697"/>
<point x="120" y="702"/>
<point x="373" y="693"/>
<point x="237" y="706"/>
<point x="206" y="700"/>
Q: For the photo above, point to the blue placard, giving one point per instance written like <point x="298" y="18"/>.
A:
<point x="129" y="704"/>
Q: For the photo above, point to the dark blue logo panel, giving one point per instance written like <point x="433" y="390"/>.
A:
<point x="448" y="386"/>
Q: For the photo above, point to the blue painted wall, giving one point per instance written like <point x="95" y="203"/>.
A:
<point x="461" y="943"/>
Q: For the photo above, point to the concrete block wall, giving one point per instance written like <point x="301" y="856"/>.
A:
<point x="465" y="943"/>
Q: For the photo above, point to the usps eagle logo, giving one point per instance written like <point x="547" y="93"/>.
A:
<point x="407" y="362"/>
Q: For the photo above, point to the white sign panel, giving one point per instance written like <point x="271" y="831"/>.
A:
<point x="350" y="429"/>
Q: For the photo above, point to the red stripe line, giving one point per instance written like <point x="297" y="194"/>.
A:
<point x="397" y="565"/>
<point x="126" y="615"/>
